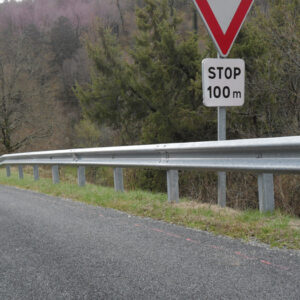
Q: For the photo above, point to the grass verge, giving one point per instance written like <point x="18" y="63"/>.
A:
<point x="277" y="229"/>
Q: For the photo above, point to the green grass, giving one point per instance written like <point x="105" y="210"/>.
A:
<point x="275" y="229"/>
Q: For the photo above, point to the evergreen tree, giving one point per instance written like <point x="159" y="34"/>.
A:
<point x="154" y="95"/>
<point x="64" y="40"/>
<point x="270" y="45"/>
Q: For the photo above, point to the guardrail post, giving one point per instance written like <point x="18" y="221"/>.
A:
<point x="81" y="175"/>
<point x="36" y="172"/>
<point x="118" y="180"/>
<point x="55" y="174"/>
<point x="266" y="192"/>
<point x="21" y="175"/>
<point x="8" y="171"/>
<point x="222" y="189"/>
<point x="172" y="185"/>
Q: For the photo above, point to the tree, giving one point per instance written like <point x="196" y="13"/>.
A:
<point x="269" y="43"/>
<point x="167" y="68"/>
<point x="155" y="95"/>
<point x="27" y="109"/>
<point x="12" y="103"/>
<point x="64" y="40"/>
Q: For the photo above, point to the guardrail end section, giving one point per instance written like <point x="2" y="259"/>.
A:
<point x="173" y="186"/>
<point x="266" y="192"/>
<point x="118" y="180"/>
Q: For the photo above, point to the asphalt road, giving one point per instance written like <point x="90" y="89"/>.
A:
<point x="53" y="248"/>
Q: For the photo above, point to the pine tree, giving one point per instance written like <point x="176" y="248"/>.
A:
<point x="153" y="96"/>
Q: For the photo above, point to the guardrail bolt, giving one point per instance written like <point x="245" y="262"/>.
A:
<point x="81" y="175"/>
<point x="173" y="186"/>
<point x="55" y="174"/>
<point x="118" y="180"/>
<point x="266" y="192"/>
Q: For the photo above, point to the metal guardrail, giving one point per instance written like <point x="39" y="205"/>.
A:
<point x="264" y="156"/>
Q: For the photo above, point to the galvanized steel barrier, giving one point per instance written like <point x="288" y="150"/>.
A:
<point x="262" y="156"/>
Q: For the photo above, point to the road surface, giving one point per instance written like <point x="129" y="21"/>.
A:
<point x="54" y="248"/>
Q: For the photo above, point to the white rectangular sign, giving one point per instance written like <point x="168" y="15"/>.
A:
<point x="223" y="82"/>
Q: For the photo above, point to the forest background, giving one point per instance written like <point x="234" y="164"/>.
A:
<point x="89" y="73"/>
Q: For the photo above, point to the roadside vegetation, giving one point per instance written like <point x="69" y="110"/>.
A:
<point x="277" y="229"/>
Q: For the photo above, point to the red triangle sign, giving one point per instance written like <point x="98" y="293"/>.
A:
<point x="223" y="19"/>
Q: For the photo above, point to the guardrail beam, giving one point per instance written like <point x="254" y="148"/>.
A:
<point x="264" y="156"/>
<point x="55" y="174"/>
<point x="81" y="175"/>
<point x="173" y="186"/>
<point x="266" y="192"/>
<point x="118" y="180"/>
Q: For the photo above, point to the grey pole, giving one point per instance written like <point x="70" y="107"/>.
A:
<point x="221" y="137"/>
<point x="21" y="175"/>
<point x="36" y="172"/>
<point x="118" y="180"/>
<point x="8" y="173"/>
<point x="81" y="175"/>
<point x="221" y="175"/>
<point x="266" y="192"/>
<point x="172" y="185"/>
<point x="55" y="174"/>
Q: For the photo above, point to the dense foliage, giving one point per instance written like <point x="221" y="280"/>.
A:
<point x="150" y="92"/>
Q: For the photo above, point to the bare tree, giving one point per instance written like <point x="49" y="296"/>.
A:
<point x="19" y="90"/>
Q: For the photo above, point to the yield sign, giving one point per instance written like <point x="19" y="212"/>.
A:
<point x="223" y="19"/>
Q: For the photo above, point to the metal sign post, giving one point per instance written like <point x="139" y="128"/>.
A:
<point x="221" y="137"/>
<point x="222" y="175"/>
